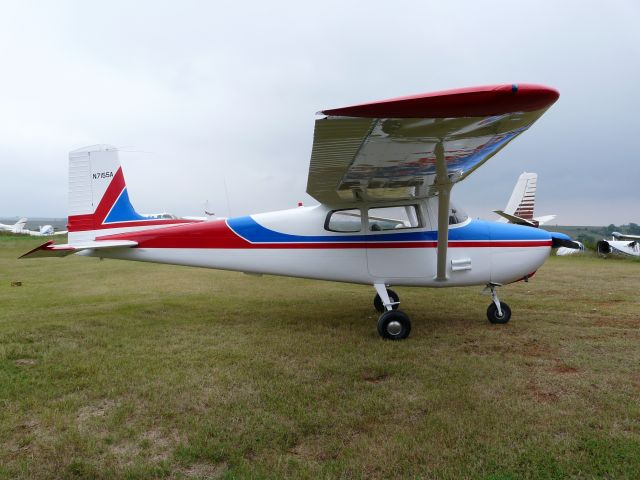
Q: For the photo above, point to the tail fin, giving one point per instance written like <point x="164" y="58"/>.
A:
<point x="19" y="225"/>
<point x="98" y="199"/>
<point x="523" y="197"/>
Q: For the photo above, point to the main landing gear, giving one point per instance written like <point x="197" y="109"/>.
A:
<point x="393" y="324"/>
<point x="498" y="312"/>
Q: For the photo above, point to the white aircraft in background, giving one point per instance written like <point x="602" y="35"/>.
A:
<point x="19" y="229"/>
<point x="519" y="209"/>
<point x="564" y="251"/>
<point x="620" y="244"/>
<point x="383" y="174"/>
<point x="15" y="228"/>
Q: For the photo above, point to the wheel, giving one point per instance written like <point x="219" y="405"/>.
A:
<point x="393" y="296"/>
<point x="492" y="313"/>
<point x="394" y="325"/>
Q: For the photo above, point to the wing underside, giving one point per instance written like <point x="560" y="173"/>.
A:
<point x="389" y="150"/>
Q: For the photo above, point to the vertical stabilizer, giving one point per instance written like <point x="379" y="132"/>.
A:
<point x="99" y="203"/>
<point x="523" y="197"/>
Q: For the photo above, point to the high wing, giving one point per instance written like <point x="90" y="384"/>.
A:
<point x="390" y="150"/>
<point x="624" y="236"/>
<point x="418" y="146"/>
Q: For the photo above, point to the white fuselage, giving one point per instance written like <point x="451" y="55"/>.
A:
<point x="295" y="243"/>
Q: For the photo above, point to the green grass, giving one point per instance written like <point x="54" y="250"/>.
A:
<point x="114" y="369"/>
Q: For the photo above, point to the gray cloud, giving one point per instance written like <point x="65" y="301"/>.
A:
<point x="209" y="93"/>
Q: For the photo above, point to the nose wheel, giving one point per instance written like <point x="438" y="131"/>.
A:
<point x="498" y="312"/>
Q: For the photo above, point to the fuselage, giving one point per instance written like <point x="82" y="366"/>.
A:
<point x="300" y="243"/>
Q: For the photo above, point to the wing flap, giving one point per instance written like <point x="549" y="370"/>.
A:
<point x="51" y="249"/>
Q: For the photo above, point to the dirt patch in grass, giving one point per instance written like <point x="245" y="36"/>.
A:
<point x="26" y="361"/>
<point x="204" y="470"/>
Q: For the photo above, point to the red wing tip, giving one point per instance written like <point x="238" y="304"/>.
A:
<point x="461" y="102"/>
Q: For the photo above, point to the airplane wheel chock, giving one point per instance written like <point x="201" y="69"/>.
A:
<point x="393" y="296"/>
<point x="394" y="325"/>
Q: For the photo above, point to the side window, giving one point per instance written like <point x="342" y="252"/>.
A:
<point x="344" y="220"/>
<point x="393" y="218"/>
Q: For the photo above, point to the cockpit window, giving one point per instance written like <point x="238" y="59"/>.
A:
<point x="393" y="218"/>
<point x="456" y="215"/>
<point x="344" y="221"/>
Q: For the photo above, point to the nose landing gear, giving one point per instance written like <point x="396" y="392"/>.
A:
<point x="498" y="312"/>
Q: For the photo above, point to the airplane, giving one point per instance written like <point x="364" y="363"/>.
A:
<point x="620" y="244"/>
<point x="19" y="229"/>
<point x="383" y="174"/>
<point x="519" y="209"/>
<point x="15" y="228"/>
<point x="564" y="251"/>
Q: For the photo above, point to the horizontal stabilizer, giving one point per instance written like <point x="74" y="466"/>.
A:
<point x="544" y="219"/>
<point x="515" y="219"/>
<point x="50" y="249"/>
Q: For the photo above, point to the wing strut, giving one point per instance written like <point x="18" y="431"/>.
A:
<point x="444" y="193"/>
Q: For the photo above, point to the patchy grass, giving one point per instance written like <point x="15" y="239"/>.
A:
<point x="128" y="370"/>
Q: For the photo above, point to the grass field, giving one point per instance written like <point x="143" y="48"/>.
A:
<point x="113" y="369"/>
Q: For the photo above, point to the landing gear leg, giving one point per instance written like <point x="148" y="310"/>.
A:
<point x="392" y="324"/>
<point x="498" y="312"/>
<point x="378" y="302"/>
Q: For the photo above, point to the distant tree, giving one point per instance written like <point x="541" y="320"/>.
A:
<point x="634" y="229"/>
<point x="587" y="241"/>
<point x="611" y="228"/>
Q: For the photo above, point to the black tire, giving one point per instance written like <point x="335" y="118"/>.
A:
<point x="492" y="313"/>
<point x="394" y="325"/>
<point x="377" y="301"/>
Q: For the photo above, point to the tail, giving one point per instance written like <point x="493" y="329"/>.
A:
<point x="520" y="207"/>
<point x="98" y="199"/>
<point x="523" y="197"/>
<point x="19" y="225"/>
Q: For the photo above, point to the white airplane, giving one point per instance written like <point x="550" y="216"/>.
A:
<point x="19" y="229"/>
<point x="519" y="209"/>
<point x="620" y="244"/>
<point x="15" y="228"/>
<point x="564" y="251"/>
<point x="383" y="174"/>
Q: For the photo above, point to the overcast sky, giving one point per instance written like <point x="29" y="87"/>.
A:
<point x="199" y="94"/>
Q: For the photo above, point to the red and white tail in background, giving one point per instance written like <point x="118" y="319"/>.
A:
<point x="520" y="207"/>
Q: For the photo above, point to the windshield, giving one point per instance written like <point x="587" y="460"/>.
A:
<point x="456" y="214"/>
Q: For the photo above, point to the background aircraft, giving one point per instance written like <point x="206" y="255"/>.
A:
<point x="383" y="174"/>
<point x="519" y="209"/>
<point x="19" y="229"/>
<point x="620" y="244"/>
<point x="15" y="228"/>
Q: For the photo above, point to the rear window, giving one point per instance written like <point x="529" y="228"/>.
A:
<point x="344" y="221"/>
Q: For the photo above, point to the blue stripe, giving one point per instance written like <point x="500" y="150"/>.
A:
<point x="252" y="231"/>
